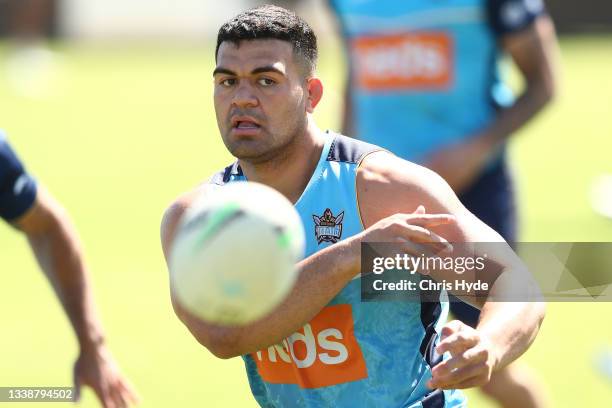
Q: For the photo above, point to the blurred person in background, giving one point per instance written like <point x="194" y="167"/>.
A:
<point x="29" y="21"/>
<point x="426" y="83"/>
<point x="55" y="243"/>
<point x="31" y="65"/>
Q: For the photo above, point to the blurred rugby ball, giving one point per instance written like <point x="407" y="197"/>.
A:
<point x="234" y="254"/>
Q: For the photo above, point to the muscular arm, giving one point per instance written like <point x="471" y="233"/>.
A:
<point x="510" y="327"/>
<point x="314" y="288"/>
<point x="389" y="190"/>
<point x="321" y="276"/>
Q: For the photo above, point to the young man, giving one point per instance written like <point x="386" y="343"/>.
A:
<point x="426" y="82"/>
<point x="54" y="241"/>
<point x="322" y="346"/>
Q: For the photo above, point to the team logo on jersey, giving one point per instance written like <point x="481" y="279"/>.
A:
<point x="327" y="227"/>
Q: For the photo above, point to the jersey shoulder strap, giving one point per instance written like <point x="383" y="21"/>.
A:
<point x="348" y="150"/>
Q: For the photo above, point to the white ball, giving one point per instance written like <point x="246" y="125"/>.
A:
<point x="234" y="254"/>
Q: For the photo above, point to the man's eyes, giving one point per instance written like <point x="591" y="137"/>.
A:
<point x="228" y="82"/>
<point x="266" y="81"/>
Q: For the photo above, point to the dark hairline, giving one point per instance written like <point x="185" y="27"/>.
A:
<point x="300" y="58"/>
<point x="272" y="22"/>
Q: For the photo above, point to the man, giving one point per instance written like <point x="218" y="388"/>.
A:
<point x="30" y="209"/>
<point x="322" y="346"/>
<point x="425" y="83"/>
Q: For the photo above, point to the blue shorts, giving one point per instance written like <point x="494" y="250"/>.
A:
<point x="490" y="198"/>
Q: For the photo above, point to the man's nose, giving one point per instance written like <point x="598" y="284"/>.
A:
<point x="245" y="95"/>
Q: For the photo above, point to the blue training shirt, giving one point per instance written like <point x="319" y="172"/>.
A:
<point x="17" y="187"/>
<point x="425" y="74"/>
<point x="353" y="353"/>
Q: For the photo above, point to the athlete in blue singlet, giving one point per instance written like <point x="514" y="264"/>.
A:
<point x="427" y="83"/>
<point x="322" y="346"/>
<point x="410" y="329"/>
<point x="52" y="238"/>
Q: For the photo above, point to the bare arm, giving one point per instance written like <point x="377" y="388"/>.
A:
<point x="314" y="288"/>
<point x="534" y="51"/>
<point x="56" y="246"/>
<point x="506" y="329"/>
<point x="57" y="249"/>
<point x="321" y="277"/>
<point x="324" y="274"/>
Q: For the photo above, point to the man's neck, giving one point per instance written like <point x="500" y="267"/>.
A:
<point x="291" y="173"/>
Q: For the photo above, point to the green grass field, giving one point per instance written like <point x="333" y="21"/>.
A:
<point x="124" y="130"/>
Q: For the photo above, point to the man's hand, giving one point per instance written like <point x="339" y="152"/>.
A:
<point x="460" y="164"/>
<point x="411" y="233"/>
<point x="97" y="369"/>
<point x="472" y="358"/>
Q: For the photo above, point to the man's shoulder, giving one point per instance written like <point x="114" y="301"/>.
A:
<point x="175" y="211"/>
<point x="186" y="199"/>
<point x="384" y="167"/>
<point x="387" y="184"/>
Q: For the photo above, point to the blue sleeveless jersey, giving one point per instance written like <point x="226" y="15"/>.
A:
<point x="426" y="73"/>
<point x="353" y="353"/>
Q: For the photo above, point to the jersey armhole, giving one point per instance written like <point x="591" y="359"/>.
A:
<point x="358" y="165"/>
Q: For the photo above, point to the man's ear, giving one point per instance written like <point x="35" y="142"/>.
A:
<point x="314" y="87"/>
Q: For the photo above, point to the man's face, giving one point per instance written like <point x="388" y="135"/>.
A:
<point x="260" y="98"/>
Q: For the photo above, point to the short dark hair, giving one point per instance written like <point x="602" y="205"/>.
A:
<point x="272" y="22"/>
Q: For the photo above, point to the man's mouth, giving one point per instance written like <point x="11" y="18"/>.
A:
<point x="246" y="124"/>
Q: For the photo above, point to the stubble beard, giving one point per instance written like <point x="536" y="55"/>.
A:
<point x="280" y="150"/>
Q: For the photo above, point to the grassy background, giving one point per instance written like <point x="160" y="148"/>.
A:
<point x="122" y="131"/>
